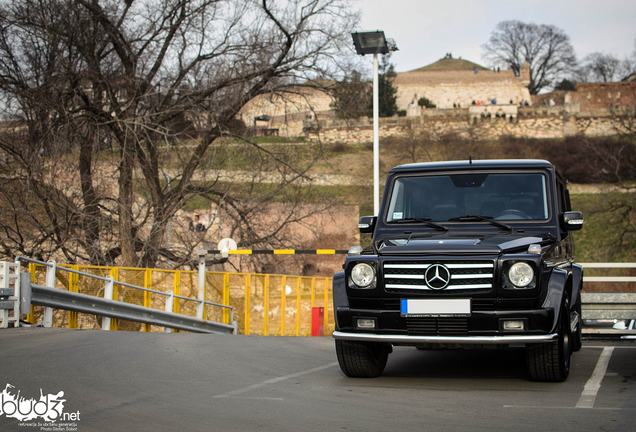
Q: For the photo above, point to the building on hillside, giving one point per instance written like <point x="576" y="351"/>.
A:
<point x="451" y="82"/>
<point x="592" y="97"/>
<point x="448" y="83"/>
<point x="284" y="112"/>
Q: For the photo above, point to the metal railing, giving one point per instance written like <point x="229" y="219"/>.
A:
<point x="605" y="308"/>
<point x="262" y="304"/>
<point x="107" y="307"/>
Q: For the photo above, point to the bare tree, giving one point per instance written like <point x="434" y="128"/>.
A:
<point x="105" y="95"/>
<point x="600" y="67"/>
<point x="545" y="48"/>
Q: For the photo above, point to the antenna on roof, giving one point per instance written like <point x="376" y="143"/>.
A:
<point x="470" y="160"/>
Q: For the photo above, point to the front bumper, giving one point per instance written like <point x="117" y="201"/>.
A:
<point x="445" y="340"/>
<point x="482" y="327"/>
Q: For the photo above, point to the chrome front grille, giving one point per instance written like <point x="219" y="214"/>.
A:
<point x="460" y="275"/>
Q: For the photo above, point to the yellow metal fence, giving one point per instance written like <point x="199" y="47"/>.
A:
<point x="264" y="304"/>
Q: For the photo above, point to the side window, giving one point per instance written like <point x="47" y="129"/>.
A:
<point x="568" y="205"/>
<point x="563" y="200"/>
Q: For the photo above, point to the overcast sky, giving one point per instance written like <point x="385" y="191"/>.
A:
<point x="425" y="30"/>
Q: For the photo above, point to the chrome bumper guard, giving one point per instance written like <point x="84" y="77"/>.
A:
<point x="468" y="340"/>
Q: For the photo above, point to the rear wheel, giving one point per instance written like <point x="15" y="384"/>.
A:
<point x="362" y="359"/>
<point x="550" y="362"/>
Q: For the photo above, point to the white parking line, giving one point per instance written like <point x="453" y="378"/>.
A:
<point x="234" y="393"/>
<point x="593" y="385"/>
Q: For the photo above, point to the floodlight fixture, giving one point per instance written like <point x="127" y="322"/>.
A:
<point x="373" y="42"/>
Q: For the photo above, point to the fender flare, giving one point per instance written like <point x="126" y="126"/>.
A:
<point x="577" y="285"/>
<point x="556" y="291"/>
<point x="339" y="294"/>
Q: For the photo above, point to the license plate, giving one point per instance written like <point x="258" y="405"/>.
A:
<point x="435" y="308"/>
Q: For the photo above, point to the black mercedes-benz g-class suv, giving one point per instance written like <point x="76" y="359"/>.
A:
<point x="464" y="254"/>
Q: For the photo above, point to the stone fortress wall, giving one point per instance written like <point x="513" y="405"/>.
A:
<point x="532" y="122"/>
<point x="471" y="101"/>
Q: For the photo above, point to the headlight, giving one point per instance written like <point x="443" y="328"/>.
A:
<point x="521" y="274"/>
<point x="362" y="274"/>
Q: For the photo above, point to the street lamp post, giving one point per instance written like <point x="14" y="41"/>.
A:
<point x="374" y="43"/>
<point x="168" y="224"/>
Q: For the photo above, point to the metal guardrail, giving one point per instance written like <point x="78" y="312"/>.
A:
<point x="67" y="300"/>
<point x="603" y="309"/>
<point x="52" y="298"/>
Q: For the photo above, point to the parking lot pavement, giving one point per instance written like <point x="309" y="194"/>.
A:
<point x="140" y="381"/>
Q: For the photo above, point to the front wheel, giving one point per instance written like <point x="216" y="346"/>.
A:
<point x="550" y="362"/>
<point x="362" y="359"/>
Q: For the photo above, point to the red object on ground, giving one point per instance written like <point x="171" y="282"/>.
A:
<point x="318" y="321"/>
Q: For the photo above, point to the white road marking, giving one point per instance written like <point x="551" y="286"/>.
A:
<point x="273" y="381"/>
<point x="593" y="385"/>
<point x="555" y="407"/>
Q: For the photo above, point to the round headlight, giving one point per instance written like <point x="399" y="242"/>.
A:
<point x="521" y="274"/>
<point x="362" y="274"/>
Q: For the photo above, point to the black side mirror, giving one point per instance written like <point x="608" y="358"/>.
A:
<point x="572" y="221"/>
<point x="367" y="224"/>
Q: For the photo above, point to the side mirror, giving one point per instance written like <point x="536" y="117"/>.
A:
<point x="367" y="224"/>
<point x="572" y="221"/>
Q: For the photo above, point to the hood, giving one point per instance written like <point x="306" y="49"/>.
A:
<point x="494" y="244"/>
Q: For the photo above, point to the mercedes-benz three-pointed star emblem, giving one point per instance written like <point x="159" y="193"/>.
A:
<point x="437" y="276"/>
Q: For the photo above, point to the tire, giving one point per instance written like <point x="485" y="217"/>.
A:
<point x="362" y="359"/>
<point x="550" y="362"/>
<point x="577" y="336"/>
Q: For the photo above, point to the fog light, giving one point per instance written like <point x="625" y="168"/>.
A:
<point x="366" y="323"/>
<point x="513" y="326"/>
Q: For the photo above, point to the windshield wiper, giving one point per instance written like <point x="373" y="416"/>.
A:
<point x="424" y="221"/>
<point x="475" y="218"/>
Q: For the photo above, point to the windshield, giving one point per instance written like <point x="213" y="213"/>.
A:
<point x="500" y="196"/>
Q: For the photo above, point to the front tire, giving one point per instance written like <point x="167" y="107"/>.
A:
<point x="362" y="359"/>
<point x="550" y="362"/>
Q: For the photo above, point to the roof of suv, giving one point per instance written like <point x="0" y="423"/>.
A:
<point x="476" y="164"/>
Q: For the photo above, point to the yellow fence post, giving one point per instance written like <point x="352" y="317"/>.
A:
<point x="30" y="317"/>
<point x="266" y="306"/>
<point x="226" y="297"/>
<point x="73" y="286"/>
<point x="298" y="292"/>
<point x="283" y="301"/>
<point x="114" y="272"/>
<point x="326" y="322"/>
<point x="147" y="295"/>
<point x="176" y="289"/>
<point x="248" y="288"/>
<point x="313" y="300"/>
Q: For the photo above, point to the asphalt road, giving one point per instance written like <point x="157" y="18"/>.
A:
<point x="127" y="381"/>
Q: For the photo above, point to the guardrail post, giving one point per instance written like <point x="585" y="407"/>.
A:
<point x="50" y="282"/>
<point x="108" y="295"/>
<point x="10" y="293"/>
<point x="201" y="305"/>
<point x="169" y="305"/>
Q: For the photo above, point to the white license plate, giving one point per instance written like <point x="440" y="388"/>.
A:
<point x="435" y="307"/>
